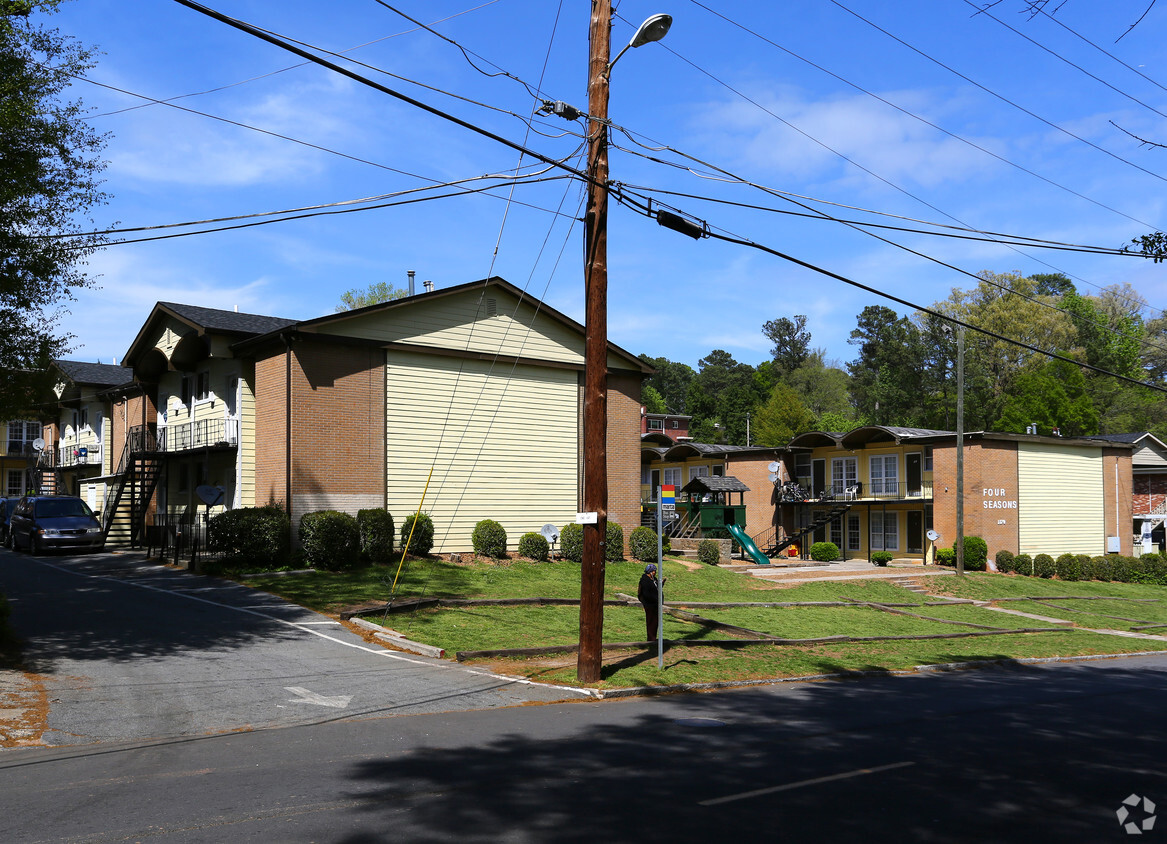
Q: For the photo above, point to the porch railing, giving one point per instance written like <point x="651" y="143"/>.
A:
<point x="201" y="433"/>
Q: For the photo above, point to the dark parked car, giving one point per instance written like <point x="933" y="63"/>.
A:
<point x="7" y="505"/>
<point x="43" y="522"/>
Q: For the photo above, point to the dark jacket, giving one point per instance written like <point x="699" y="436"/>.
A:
<point x="646" y="590"/>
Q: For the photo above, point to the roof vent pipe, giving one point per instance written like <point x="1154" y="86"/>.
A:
<point x="411" y="274"/>
<point x="429" y="286"/>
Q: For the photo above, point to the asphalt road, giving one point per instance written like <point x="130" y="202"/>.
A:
<point x="1030" y="754"/>
<point x="125" y="649"/>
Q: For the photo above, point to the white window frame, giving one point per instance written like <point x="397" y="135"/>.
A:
<point x="884" y="521"/>
<point x="854" y="532"/>
<point x="884" y="482"/>
<point x="844" y="473"/>
<point x="25" y="432"/>
<point x="655" y="425"/>
<point x="13" y="483"/>
<point x="672" y="476"/>
<point x="698" y="472"/>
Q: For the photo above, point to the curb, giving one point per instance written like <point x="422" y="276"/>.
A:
<point x="397" y="640"/>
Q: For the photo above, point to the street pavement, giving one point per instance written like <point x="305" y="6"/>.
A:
<point x="122" y="648"/>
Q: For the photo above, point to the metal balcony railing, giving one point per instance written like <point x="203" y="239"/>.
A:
<point x="78" y="455"/>
<point x="201" y="433"/>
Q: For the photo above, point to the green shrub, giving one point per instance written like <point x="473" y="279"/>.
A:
<point x="880" y="558"/>
<point x="945" y="557"/>
<point x="534" y="546"/>
<point x="1044" y="566"/>
<point x="1023" y="564"/>
<point x="614" y="543"/>
<point x="330" y="540"/>
<point x="1149" y="569"/>
<point x="423" y="534"/>
<point x="1068" y="567"/>
<point x="376" y="531"/>
<point x="489" y="539"/>
<point x="571" y="542"/>
<point x="824" y="552"/>
<point x="642" y="544"/>
<point x="976" y="553"/>
<point x="709" y="551"/>
<point x="1004" y="560"/>
<point x="254" y="537"/>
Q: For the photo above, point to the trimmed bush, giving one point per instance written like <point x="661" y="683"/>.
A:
<point x="642" y="544"/>
<point x="1004" y="560"/>
<point x="253" y="537"/>
<point x="376" y="532"/>
<point x="945" y="557"/>
<point x="709" y="551"/>
<point x="534" y="546"/>
<point x="571" y="542"/>
<point x="824" y="552"/>
<point x="489" y="539"/>
<point x="880" y="558"/>
<point x="330" y="540"/>
<point x="1068" y="567"/>
<point x="976" y="553"/>
<point x="423" y="534"/>
<point x="614" y="543"/>
<point x="1023" y="564"/>
<point x="1044" y="566"/>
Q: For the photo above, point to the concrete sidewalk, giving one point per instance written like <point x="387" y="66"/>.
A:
<point x="792" y="572"/>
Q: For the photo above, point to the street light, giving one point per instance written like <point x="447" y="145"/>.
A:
<point x="595" y="412"/>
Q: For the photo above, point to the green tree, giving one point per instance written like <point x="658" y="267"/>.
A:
<point x="886" y="377"/>
<point x="721" y="396"/>
<point x="672" y="381"/>
<point x="1053" y="396"/>
<point x="782" y="417"/>
<point x="652" y="400"/>
<point x="374" y="294"/>
<point x="824" y="391"/>
<point x="49" y="182"/>
<point x="791" y="342"/>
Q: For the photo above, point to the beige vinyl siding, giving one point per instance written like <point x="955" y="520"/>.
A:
<point x="1060" y="499"/>
<point x="246" y="442"/>
<point x="1147" y="456"/>
<point x="503" y="443"/>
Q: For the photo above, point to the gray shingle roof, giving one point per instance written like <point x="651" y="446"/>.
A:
<point x="102" y="374"/>
<point x="715" y="483"/>
<point x="230" y="321"/>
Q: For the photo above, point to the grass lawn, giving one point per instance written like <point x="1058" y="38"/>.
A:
<point x="688" y="661"/>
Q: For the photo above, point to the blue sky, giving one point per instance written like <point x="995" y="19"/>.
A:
<point x="976" y="124"/>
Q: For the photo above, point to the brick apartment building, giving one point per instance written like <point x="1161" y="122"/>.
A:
<point x="470" y="395"/>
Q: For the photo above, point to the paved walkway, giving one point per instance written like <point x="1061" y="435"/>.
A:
<point x="842" y="570"/>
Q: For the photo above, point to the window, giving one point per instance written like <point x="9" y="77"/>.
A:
<point x="671" y="477"/>
<point x="837" y="532"/>
<point x="655" y="424"/>
<point x="83" y="416"/>
<point x="853" y="535"/>
<point x="676" y="424"/>
<point x="719" y="471"/>
<point x="844" y="473"/>
<point x="204" y="385"/>
<point x="884" y="475"/>
<point x="884" y="532"/>
<point x="927" y="458"/>
<point x="802" y="465"/>
<point x="185" y="393"/>
<point x="21" y="434"/>
<point x="698" y="472"/>
<point x="14" y="484"/>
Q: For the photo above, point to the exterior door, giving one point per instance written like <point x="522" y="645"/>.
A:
<point x="655" y="482"/>
<point x="913" y="469"/>
<point x="915" y="537"/>
<point x="818" y="478"/>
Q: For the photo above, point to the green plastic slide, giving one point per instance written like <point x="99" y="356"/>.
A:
<point x="748" y="544"/>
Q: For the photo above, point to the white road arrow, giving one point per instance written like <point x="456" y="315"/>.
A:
<point x="305" y="696"/>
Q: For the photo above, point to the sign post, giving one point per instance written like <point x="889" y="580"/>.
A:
<point x="667" y="496"/>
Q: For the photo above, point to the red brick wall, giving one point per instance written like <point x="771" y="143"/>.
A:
<point x="270" y="430"/>
<point x="987" y="466"/>
<point x="623" y="446"/>
<point x="1116" y="487"/>
<point x="338" y="419"/>
<point x="752" y="470"/>
<point x="1149" y="494"/>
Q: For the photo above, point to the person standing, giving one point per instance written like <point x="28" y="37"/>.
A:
<point x="646" y="593"/>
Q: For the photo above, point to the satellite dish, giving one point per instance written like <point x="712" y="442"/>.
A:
<point x="932" y="536"/>
<point x="550" y="532"/>
<point x="773" y="477"/>
<point x="38" y="444"/>
<point x="774" y="467"/>
<point x="209" y="495"/>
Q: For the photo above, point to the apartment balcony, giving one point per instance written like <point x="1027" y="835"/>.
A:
<point x="202" y="433"/>
<point x="884" y="491"/>
<point x="69" y="456"/>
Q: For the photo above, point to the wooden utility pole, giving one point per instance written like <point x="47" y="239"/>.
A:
<point x="959" y="450"/>
<point x="595" y="410"/>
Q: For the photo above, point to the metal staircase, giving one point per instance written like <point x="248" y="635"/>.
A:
<point x="43" y="476"/>
<point x="777" y="546"/>
<point x="124" y="517"/>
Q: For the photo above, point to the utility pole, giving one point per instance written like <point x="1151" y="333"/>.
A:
<point x="595" y="411"/>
